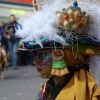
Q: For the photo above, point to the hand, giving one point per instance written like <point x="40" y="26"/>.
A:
<point x="8" y="37"/>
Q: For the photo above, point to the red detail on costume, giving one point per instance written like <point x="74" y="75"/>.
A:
<point x="60" y="23"/>
<point x="60" y="72"/>
<point x="80" y="25"/>
<point x="79" y="18"/>
<point x="39" y="70"/>
<point x="98" y="47"/>
<point x="45" y="87"/>
<point x="66" y="16"/>
<point x="58" y="53"/>
<point x="54" y="72"/>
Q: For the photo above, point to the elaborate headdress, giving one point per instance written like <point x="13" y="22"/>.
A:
<point x="58" y="24"/>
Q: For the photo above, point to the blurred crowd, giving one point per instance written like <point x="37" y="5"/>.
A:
<point x="9" y="44"/>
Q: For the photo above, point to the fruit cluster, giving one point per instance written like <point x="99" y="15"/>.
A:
<point x="71" y="19"/>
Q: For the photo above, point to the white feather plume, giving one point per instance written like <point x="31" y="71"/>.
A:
<point x="41" y="24"/>
<point x="95" y="68"/>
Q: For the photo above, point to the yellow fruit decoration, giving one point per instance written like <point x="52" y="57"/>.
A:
<point x="77" y="13"/>
<point x="71" y="21"/>
<point x="66" y="24"/>
<point x="70" y="12"/>
<point x="75" y="26"/>
<point x="59" y="14"/>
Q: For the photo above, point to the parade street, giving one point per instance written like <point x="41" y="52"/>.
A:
<point x="21" y="84"/>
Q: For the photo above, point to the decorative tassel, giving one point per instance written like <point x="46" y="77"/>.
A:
<point x="60" y="72"/>
<point x="59" y="67"/>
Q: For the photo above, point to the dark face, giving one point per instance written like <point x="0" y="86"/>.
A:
<point x="12" y="19"/>
<point x="43" y="62"/>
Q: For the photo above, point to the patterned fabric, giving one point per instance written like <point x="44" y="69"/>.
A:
<point x="39" y="96"/>
<point x="60" y="72"/>
<point x="85" y="44"/>
<point x="85" y="39"/>
<point x="44" y="93"/>
<point x="49" y="91"/>
<point x="58" y="64"/>
<point x="86" y="49"/>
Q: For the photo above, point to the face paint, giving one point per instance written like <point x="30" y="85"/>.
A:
<point x="44" y="58"/>
<point x="44" y="65"/>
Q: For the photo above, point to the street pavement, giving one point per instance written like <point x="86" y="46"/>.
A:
<point x="21" y="84"/>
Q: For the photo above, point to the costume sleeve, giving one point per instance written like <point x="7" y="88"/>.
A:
<point x="39" y="96"/>
<point x="41" y="92"/>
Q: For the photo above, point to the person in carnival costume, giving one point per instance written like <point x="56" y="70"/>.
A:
<point x="64" y="37"/>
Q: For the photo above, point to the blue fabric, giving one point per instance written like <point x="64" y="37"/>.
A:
<point x="1" y="33"/>
<point x="12" y="48"/>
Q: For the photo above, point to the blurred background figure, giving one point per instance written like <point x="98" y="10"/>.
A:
<point x="3" y="45"/>
<point x="12" y="41"/>
<point x="3" y="42"/>
<point x="2" y="30"/>
<point x="3" y="57"/>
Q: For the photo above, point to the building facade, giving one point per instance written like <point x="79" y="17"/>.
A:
<point x="21" y="11"/>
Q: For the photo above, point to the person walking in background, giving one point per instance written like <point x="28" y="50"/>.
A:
<point x="12" y="41"/>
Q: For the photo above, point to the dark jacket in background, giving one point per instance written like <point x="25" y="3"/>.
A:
<point x="3" y="40"/>
<point x="13" y="38"/>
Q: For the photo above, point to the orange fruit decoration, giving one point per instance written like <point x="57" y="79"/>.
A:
<point x="60" y="23"/>
<point x="66" y="16"/>
<point x="78" y="19"/>
<point x="80" y="25"/>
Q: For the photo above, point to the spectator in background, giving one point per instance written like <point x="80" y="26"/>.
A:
<point x="3" y="42"/>
<point x="2" y="31"/>
<point x="13" y="42"/>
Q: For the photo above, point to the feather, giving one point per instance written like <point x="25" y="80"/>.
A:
<point x="41" y="24"/>
<point x="95" y="68"/>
